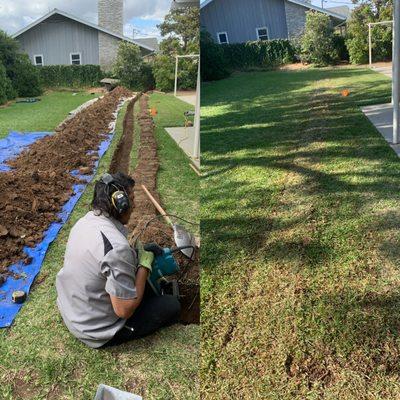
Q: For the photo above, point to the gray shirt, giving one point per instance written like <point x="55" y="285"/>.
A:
<point x="98" y="262"/>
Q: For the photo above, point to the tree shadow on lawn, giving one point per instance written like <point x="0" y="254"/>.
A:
<point x="351" y="176"/>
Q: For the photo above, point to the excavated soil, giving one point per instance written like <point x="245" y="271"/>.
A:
<point x="121" y="157"/>
<point x="144" y="210"/>
<point x="40" y="182"/>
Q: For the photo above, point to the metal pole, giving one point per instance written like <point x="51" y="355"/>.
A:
<point x="396" y="70"/>
<point x="370" y="45"/>
<point x="196" y="151"/>
<point x="176" y="75"/>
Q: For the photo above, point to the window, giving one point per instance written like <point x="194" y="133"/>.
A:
<point x="262" y="33"/>
<point x="223" y="38"/>
<point x="76" y="58"/>
<point x="38" y="60"/>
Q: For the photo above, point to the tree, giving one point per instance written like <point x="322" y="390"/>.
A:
<point x="130" y="68"/>
<point x="182" y="23"/>
<point x="317" y="42"/>
<point x="357" y="28"/>
<point x="23" y="75"/>
<point x="6" y="90"/>
<point x="180" y="30"/>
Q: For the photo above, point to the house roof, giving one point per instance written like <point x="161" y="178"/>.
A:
<point x="300" y="3"/>
<point x="149" y="41"/>
<point x="184" y="3"/>
<point x="94" y="26"/>
<point x="342" y="10"/>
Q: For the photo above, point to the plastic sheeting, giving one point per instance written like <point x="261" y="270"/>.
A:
<point x="27" y="273"/>
<point x="14" y="143"/>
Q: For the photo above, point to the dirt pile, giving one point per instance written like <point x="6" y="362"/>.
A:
<point x="40" y="181"/>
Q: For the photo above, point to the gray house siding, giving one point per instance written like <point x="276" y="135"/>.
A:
<point x="241" y="18"/>
<point x="57" y="37"/>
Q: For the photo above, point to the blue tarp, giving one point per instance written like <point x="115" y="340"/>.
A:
<point x="27" y="273"/>
<point x="14" y="143"/>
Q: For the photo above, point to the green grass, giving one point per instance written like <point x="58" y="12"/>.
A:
<point x="41" y="116"/>
<point x="300" y="239"/>
<point x="177" y="183"/>
<point x="39" y="358"/>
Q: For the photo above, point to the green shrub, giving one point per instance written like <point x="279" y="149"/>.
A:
<point x="70" y="75"/>
<point x="148" y="76"/>
<point x="25" y="77"/>
<point x="317" y="42"/>
<point x="259" y="54"/>
<point x="339" y="43"/>
<point x="130" y="68"/>
<point x="6" y="89"/>
<point x="164" y="72"/>
<point x="213" y="63"/>
<point x="357" y="32"/>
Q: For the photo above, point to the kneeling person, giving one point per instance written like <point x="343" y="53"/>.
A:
<point x="101" y="288"/>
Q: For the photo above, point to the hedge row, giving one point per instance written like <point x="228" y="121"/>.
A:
<point x="259" y="54"/>
<point x="70" y="75"/>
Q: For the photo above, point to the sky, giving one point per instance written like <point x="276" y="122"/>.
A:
<point x="141" y="15"/>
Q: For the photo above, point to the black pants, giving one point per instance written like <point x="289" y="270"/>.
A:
<point x="152" y="314"/>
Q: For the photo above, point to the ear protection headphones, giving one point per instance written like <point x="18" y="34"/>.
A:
<point x="119" y="198"/>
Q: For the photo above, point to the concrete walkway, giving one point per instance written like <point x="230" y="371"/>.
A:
<point x="384" y="68"/>
<point x="184" y="137"/>
<point x="187" y="97"/>
<point x="382" y="117"/>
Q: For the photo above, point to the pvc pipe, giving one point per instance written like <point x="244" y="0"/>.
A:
<point x="176" y="75"/>
<point x="196" y="150"/>
<point x="370" y="45"/>
<point x="396" y="70"/>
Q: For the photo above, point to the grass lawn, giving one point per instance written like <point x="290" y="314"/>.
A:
<point x="178" y="184"/>
<point x="39" y="359"/>
<point x="41" y="116"/>
<point x="300" y="211"/>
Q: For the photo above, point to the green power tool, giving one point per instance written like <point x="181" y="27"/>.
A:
<point x="164" y="265"/>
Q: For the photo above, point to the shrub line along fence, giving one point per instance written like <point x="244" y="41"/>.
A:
<point x="262" y="54"/>
<point x="70" y="75"/>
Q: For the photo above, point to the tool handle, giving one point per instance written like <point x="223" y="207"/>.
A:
<point x="157" y="206"/>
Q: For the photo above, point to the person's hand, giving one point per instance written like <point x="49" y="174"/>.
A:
<point x="146" y="258"/>
<point x="154" y="248"/>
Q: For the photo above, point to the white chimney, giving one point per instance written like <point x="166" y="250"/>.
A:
<point x="111" y="15"/>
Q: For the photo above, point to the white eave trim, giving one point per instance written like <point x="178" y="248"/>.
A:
<point x="316" y="8"/>
<point x="300" y="3"/>
<point x="94" y="26"/>
<point x="205" y="3"/>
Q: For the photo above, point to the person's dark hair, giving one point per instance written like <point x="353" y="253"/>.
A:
<point x="102" y="195"/>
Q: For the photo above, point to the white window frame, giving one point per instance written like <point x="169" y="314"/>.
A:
<point x="34" y="60"/>
<point x="223" y="33"/>
<point x="258" y="34"/>
<point x="74" y="54"/>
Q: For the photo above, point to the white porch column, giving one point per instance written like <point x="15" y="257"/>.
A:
<point x="196" y="151"/>
<point x="396" y="70"/>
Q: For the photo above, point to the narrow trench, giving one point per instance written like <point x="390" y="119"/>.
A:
<point x="145" y="173"/>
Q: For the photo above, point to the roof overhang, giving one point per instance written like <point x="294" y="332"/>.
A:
<point x="300" y="3"/>
<point x="184" y="3"/>
<point x="72" y="17"/>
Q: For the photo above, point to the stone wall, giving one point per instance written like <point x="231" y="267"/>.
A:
<point x="111" y="15"/>
<point x="108" y="48"/>
<point x="295" y="19"/>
